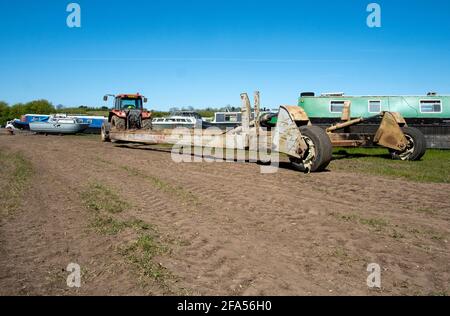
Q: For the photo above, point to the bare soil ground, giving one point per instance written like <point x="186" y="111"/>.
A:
<point x="138" y="223"/>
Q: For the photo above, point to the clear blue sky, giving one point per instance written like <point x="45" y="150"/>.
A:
<point x="201" y="53"/>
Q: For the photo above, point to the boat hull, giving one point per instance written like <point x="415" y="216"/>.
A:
<point x="58" y="128"/>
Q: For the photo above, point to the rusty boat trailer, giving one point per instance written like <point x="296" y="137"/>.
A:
<point x="403" y="142"/>
<point x="308" y="147"/>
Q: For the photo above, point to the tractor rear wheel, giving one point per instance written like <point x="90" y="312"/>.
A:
<point x="147" y="124"/>
<point x="319" y="153"/>
<point x="417" y="145"/>
<point x="118" y="123"/>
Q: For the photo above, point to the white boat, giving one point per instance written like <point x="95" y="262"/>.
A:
<point x="58" y="124"/>
<point x="187" y="119"/>
<point x="174" y="122"/>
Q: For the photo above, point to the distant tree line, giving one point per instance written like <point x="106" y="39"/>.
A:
<point x="15" y="111"/>
<point x="10" y="112"/>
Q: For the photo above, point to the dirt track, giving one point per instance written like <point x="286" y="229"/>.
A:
<point x="230" y="229"/>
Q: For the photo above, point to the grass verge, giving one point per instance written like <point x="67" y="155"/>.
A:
<point x="434" y="166"/>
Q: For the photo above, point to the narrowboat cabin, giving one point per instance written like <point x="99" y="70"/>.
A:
<point x="429" y="113"/>
<point x="224" y="120"/>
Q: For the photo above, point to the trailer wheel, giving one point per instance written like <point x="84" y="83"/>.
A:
<point x="118" y="123"/>
<point x="319" y="153"/>
<point x="147" y="124"/>
<point x="416" y="147"/>
<point x="105" y="132"/>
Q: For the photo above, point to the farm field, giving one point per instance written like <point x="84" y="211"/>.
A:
<point x="138" y="223"/>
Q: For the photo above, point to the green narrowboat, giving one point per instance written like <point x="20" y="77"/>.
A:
<point x="429" y="113"/>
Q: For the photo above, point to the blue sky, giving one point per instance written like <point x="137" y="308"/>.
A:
<point x="205" y="53"/>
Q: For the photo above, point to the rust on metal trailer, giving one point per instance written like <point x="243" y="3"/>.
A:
<point x="390" y="133"/>
<point x="346" y="111"/>
<point x="350" y="140"/>
<point x="298" y="114"/>
<point x="257" y="111"/>
<point x="344" y="124"/>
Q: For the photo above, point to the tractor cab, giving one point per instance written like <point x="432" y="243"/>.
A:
<point x="129" y="113"/>
<point x="129" y="102"/>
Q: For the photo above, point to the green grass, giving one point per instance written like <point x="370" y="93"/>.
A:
<point x="434" y="166"/>
<point x="142" y="252"/>
<point x="109" y="226"/>
<point x="15" y="171"/>
<point x="97" y="197"/>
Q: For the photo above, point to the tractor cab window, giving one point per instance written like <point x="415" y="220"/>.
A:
<point x="130" y="104"/>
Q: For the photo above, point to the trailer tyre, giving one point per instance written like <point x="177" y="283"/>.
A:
<point x="319" y="153"/>
<point x="416" y="148"/>
<point x="118" y="123"/>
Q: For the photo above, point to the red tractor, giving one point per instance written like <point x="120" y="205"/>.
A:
<point x="128" y="112"/>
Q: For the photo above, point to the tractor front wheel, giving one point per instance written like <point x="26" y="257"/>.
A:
<point x="319" y="152"/>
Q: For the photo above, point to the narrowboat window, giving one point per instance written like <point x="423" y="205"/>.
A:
<point x="430" y="106"/>
<point x="374" y="106"/>
<point x="336" y="106"/>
